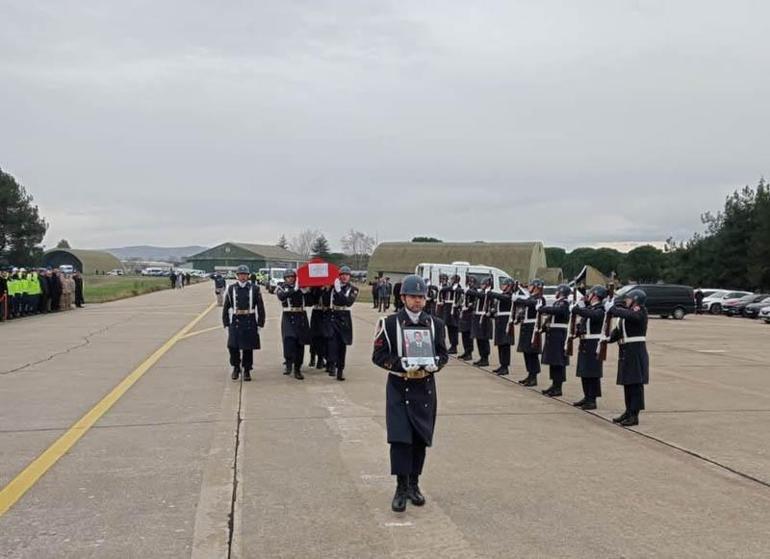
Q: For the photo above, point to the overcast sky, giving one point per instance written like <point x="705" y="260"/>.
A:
<point x="195" y="122"/>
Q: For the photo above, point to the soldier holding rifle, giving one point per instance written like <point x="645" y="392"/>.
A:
<point x="503" y="314"/>
<point x="590" y="368"/>
<point x="481" y="327"/>
<point x="449" y="303"/>
<point x="633" y="360"/>
<point x="554" y="349"/>
<point x="411" y="392"/>
<point x="465" y="323"/>
<point x="531" y="351"/>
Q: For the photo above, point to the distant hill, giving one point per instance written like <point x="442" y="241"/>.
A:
<point x="152" y="253"/>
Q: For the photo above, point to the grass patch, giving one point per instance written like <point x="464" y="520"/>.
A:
<point x="101" y="289"/>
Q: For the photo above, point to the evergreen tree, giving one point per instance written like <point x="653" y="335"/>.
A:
<point x="21" y="227"/>
<point x="64" y="243"/>
<point x="320" y="248"/>
<point x="282" y="242"/>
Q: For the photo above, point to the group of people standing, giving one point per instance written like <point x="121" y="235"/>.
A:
<point x="328" y="332"/>
<point x="41" y="291"/>
<point x="480" y="316"/>
<point x="382" y="290"/>
<point x="179" y="279"/>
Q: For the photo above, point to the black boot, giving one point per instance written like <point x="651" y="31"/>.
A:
<point x="579" y="403"/>
<point x="236" y="373"/>
<point x="556" y="390"/>
<point x="502" y="371"/>
<point x="631" y="420"/>
<point x="589" y="405"/>
<point x="524" y="381"/>
<point x="320" y="364"/>
<point x="483" y="362"/>
<point x="452" y="350"/>
<point x="247" y="375"/>
<point x="331" y="369"/>
<point x="340" y="376"/>
<point x="399" y="499"/>
<point x="531" y="380"/>
<point x="621" y="417"/>
<point x="413" y="492"/>
<point x="466" y="357"/>
<point x="548" y="391"/>
<point x="312" y="360"/>
<point x="298" y="373"/>
<point x="286" y="369"/>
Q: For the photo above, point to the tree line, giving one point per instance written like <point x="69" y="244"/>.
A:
<point x="357" y="247"/>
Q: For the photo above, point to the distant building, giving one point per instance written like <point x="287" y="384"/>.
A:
<point x="231" y="254"/>
<point x="520" y="260"/>
<point x="84" y="261"/>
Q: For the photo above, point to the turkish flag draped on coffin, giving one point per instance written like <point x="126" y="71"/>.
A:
<point x="317" y="273"/>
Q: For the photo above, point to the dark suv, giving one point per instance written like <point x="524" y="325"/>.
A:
<point x="665" y="299"/>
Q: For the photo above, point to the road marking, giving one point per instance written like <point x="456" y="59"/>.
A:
<point x="23" y="482"/>
<point x="711" y="350"/>
<point x="197" y="332"/>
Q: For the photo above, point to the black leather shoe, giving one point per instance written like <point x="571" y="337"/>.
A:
<point x="523" y="381"/>
<point x="502" y="371"/>
<point x="532" y="381"/>
<point x="236" y="373"/>
<point x="413" y="492"/>
<point x="481" y="363"/>
<point x="620" y="418"/>
<point x="399" y="499"/>
<point x="452" y="350"/>
<point x="246" y="376"/>
<point x="298" y="374"/>
<point x="312" y="361"/>
<point x="589" y="406"/>
<point x="287" y="369"/>
<point x="547" y="391"/>
<point x="466" y="357"/>
<point x="321" y="364"/>
<point x="579" y="403"/>
<point x="630" y="421"/>
<point x="340" y="376"/>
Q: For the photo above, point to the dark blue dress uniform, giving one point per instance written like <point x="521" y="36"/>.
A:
<point x="554" y="348"/>
<point x="467" y="309"/>
<point x="243" y="324"/>
<point x="449" y="305"/>
<point x="320" y="324"/>
<point x="295" y="328"/>
<point x="590" y="369"/>
<point x="410" y="410"/>
<point x="502" y="312"/>
<point x="342" y="326"/>
<point x="529" y="308"/>
<point x="431" y="299"/>
<point x="481" y="326"/>
<point x="633" y="360"/>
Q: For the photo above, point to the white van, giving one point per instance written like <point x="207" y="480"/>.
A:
<point x="462" y="269"/>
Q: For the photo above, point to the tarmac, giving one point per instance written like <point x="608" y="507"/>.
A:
<point x="121" y="435"/>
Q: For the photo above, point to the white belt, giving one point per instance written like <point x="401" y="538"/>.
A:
<point x="592" y="337"/>
<point x="634" y="340"/>
<point x="479" y="313"/>
<point x="504" y="314"/>
<point x="529" y="321"/>
<point x="558" y="325"/>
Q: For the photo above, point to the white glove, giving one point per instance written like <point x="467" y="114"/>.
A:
<point x="608" y="305"/>
<point x="305" y="290"/>
<point x="581" y="304"/>
<point x="432" y="368"/>
<point x="337" y="285"/>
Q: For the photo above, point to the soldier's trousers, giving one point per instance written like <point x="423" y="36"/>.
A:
<point x="407" y="459"/>
<point x="452" y="332"/>
<point x="319" y="347"/>
<point x="532" y="363"/>
<point x="383" y="304"/>
<point x="504" y="354"/>
<point x="467" y="343"/>
<point x="293" y="352"/>
<point x="337" y="351"/>
<point x="241" y="358"/>
<point x="592" y="388"/>
<point x="558" y="374"/>
<point x="484" y="349"/>
<point x="634" y="394"/>
<point x="220" y="293"/>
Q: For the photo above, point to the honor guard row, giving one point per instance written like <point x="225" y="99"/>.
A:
<point x="483" y="316"/>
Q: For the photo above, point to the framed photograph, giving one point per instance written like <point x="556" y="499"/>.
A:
<point x="418" y="347"/>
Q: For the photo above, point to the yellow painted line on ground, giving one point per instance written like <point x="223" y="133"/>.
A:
<point x="23" y="482"/>
<point x="191" y="334"/>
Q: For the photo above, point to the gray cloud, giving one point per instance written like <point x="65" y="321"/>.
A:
<point x="186" y="122"/>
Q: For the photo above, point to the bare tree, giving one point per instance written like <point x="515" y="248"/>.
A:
<point x="358" y="245"/>
<point x="302" y="244"/>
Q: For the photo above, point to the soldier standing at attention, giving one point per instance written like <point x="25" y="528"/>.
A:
<point x="590" y="368"/>
<point x="467" y="307"/>
<point x="410" y="395"/>
<point x="343" y="297"/>
<point x="295" y="328"/>
<point x="530" y="306"/>
<point x="633" y="360"/>
<point x="243" y="314"/>
<point x="503" y="325"/>
<point x="554" y="349"/>
<point x="481" y="327"/>
<point x="449" y="297"/>
<point x="219" y="288"/>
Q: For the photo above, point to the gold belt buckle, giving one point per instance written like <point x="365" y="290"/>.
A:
<point x="415" y="375"/>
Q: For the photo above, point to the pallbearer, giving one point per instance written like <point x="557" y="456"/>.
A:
<point x="295" y="329"/>
<point x="633" y="361"/>
<point x="530" y="308"/>
<point x="320" y="325"/>
<point x="481" y="327"/>
<point x="410" y="410"/>
<point x="450" y="296"/>
<point x="554" y="349"/>
<point x="343" y="297"/>
<point x="590" y="368"/>
<point x="467" y="310"/>
<point x="503" y="314"/>
<point x="243" y="314"/>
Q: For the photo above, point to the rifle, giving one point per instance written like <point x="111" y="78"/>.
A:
<point x="572" y="326"/>
<point x="601" y="350"/>
<point x="511" y="319"/>
<point x="537" y="333"/>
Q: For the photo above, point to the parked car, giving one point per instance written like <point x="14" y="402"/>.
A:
<point x="752" y="309"/>
<point x="764" y="314"/>
<point x="736" y="307"/>
<point x="665" y="299"/>
<point x="115" y="272"/>
<point x="713" y="303"/>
